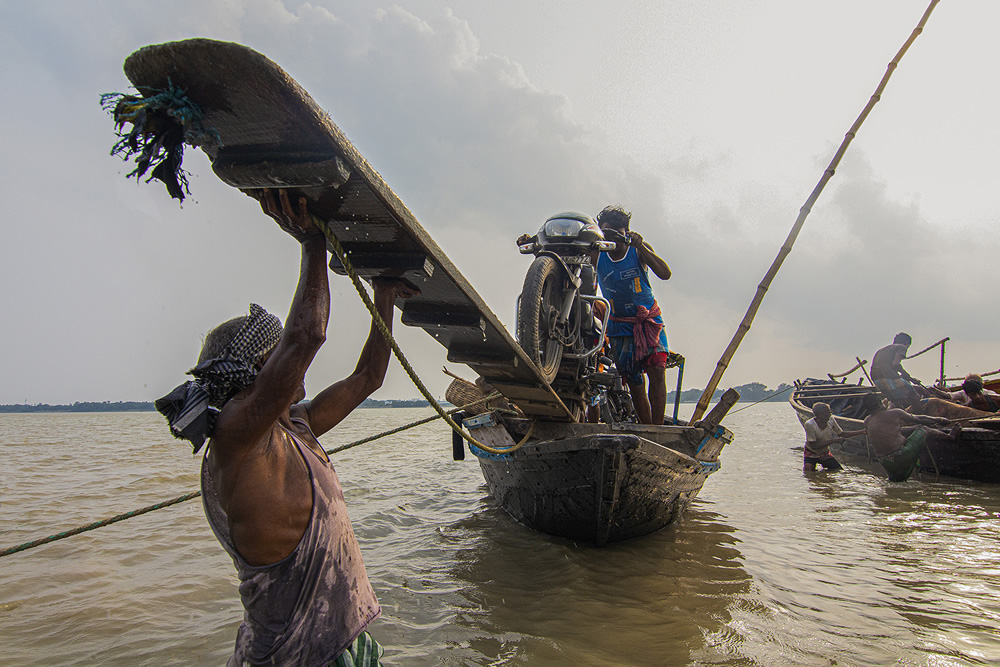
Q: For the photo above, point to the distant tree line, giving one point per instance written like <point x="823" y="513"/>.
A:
<point x="139" y="406"/>
<point x="106" y="406"/>
<point x="749" y="393"/>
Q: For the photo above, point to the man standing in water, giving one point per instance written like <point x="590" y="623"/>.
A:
<point x="270" y="493"/>
<point x="821" y="432"/>
<point x="638" y="339"/>
<point x="891" y="378"/>
<point x="898" y="437"/>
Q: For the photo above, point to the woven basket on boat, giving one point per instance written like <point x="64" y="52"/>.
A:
<point x="462" y="393"/>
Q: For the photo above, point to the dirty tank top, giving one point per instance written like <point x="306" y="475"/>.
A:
<point x="308" y="607"/>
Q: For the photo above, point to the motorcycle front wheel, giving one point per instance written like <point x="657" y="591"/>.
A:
<point x="541" y="298"/>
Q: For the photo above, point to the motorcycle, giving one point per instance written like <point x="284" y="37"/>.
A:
<point x="559" y="322"/>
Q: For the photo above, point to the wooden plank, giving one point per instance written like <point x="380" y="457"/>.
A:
<point x="273" y="134"/>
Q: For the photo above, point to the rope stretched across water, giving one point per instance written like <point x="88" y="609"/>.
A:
<point x="766" y="398"/>
<point x="197" y="494"/>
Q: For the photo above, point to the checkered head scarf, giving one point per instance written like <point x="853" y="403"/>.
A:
<point x="191" y="408"/>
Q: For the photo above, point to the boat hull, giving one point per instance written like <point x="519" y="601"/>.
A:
<point x="602" y="487"/>
<point x="974" y="456"/>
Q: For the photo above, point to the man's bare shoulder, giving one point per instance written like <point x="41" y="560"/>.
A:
<point x="886" y="416"/>
<point x="230" y="443"/>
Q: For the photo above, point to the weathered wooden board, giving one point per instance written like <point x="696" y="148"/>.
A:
<point x="273" y="134"/>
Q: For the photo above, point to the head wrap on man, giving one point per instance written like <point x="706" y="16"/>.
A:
<point x="973" y="384"/>
<point x="191" y="408"/>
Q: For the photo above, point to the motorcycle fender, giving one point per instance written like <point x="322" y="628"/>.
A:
<point x="573" y="278"/>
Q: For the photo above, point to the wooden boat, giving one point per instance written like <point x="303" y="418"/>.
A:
<point x="598" y="483"/>
<point x="975" y="456"/>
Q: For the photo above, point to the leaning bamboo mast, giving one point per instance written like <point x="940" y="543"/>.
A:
<point x="744" y="327"/>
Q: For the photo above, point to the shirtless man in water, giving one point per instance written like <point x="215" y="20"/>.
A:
<point x="270" y="493"/>
<point x="898" y="437"/>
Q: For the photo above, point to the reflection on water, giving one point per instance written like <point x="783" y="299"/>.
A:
<point x="545" y="600"/>
<point x="768" y="567"/>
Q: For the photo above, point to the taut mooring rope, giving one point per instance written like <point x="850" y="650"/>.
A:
<point x="766" y="398"/>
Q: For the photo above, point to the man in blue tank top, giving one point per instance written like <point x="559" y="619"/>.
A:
<point x="270" y="493"/>
<point x="638" y="339"/>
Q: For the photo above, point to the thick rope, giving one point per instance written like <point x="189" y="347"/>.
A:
<point x="98" y="524"/>
<point x="384" y="329"/>
<point x="860" y="364"/>
<point x="766" y="398"/>
<point x="421" y="422"/>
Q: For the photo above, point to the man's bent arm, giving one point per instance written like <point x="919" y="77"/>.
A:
<point x="649" y="257"/>
<point x="334" y="403"/>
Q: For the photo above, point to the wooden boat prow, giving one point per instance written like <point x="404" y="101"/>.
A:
<point x="601" y="483"/>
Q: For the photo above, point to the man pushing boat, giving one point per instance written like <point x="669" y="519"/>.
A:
<point x="898" y="437"/>
<point x="821" y="432"/>
<point x="270" y="493"/>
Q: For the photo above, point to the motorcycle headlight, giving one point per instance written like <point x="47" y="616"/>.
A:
<point x="562" y="227"/>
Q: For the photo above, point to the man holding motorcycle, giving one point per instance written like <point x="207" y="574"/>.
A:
<point x="638" y="339"/>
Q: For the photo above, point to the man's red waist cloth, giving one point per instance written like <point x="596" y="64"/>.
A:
<point x="645" y="331"/>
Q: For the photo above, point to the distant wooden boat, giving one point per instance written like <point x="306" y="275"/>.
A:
<point x="600" y="483"/>
<point x="975" y="456"/>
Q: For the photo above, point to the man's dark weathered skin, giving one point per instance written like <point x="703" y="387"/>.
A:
<point x="888" y="429"/>
<point x="260" y="478"/>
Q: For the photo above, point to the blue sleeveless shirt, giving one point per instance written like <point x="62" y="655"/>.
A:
<point x="625" y="284"/>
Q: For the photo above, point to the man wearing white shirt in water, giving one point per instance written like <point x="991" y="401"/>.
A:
<point x="821" y="432"/>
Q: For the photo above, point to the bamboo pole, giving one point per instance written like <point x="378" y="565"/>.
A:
<point x="928" y="348"/>
<point x="865" y="370"/>
<point x="941" y="376"/>
<point x="762" y="288"/>
<point x="837" y="388"/>
<point x="852" y="394"/>
<point x="860" y="364"/>
<point x="982" y="375"/>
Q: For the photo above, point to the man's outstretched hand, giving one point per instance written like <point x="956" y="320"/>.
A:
<point x="296" y="221"/>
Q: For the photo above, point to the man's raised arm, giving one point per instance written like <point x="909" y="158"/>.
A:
<point x="337" y="401"/>
<point x="252" y="413"/>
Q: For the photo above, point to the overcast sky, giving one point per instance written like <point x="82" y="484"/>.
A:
<point x="711" y="121"/>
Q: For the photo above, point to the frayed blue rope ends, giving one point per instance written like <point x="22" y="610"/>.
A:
<point x="161" y="124"/>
